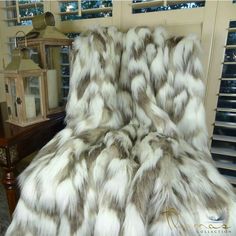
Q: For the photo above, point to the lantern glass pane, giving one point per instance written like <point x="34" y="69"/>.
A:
<point x="32" y="97"/>
<point x="34" y="55"/>
<point x="12" y="100"/>
<point x="57" y="75"/>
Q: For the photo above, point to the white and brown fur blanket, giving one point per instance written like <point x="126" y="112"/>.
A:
<point x="133" y="159"/>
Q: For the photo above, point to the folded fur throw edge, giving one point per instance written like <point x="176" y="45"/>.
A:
<point x="133" y="159"/>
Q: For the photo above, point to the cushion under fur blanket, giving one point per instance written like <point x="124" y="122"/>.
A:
<point x="133" y="159"/>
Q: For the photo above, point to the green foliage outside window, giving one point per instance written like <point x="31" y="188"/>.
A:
<point x="72" y="6"/>
<point x="176" y="6"/>
<point x="35" y="8"/>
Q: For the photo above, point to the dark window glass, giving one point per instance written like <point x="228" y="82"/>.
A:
<point x="71" y="9"/>
<point x="65" y="70"/>
<point x="224" y="145"/>
<point x="227" y="172"/>
<point x="69" y="6"/>
<point x="224" y="158"/>
<point x="27" y="9"/>
<point x="227" y="102"/>
<point x="225" y="131"/>
<point x="85" y="16"/>
<point x="231" y="38"/>
<point x="226" y="116"/>
<point x="72" y="35"/>
<point x="232" y="24"/>
<point x="229" y="71"/>
<point x="95" y="4"/>
<point x="168" y="7"/>
<point x="66" y="81"/>
<point x="64" y="57"/>
<point x="70" y="17"/>
<point x="230" y="55"/>
<point x="228" y="86"/>
<point x="65" y="92"/>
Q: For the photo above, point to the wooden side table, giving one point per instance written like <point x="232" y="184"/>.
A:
<point x="18" y="142"/>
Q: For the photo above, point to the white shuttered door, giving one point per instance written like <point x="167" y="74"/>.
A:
<point x="224" y="135"/>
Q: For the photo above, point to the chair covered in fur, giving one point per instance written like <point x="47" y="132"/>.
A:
<point x="133" y="159"/>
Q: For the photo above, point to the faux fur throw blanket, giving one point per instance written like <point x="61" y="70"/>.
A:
<point x="133" y="159"/>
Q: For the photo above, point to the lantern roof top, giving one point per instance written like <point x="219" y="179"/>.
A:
<point x="21" y="61"/>
<point x="50" y="32"/>
<point x="44" y="28"/>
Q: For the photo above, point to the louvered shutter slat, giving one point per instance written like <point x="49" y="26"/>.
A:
<point x="224" y="138"/>
<point x="226" y="166"/>
<point x="223" y="151"/>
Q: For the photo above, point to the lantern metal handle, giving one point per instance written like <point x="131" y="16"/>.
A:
<point x="20" y="31"/>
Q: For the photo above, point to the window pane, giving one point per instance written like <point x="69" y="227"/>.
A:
<point x="28" y="1"/>
<point x="229" y="71"/>
<point x="34" y="55"/>
<point x="64" y="57"/>
<point x="224" y="145"/>
<point x="70" y="17"/>
<point x="27" y="9"/>
<point x="231" y="38"/>
<point x="30" y="12"/>
<point x="161" y="7"/>
<point x="227" y="102"/>
<point x="225" y="131"/>
<point x="69" y="10"/>
<point x="65" y="91"/>
<point x="95" y="4"/>
<point x="224" y="158"/>
<point x="69" y="6"/>
<point x="225" y="116"/>
<point x="66" y="81"/>
<point x="232" y="24"/>
<point x="227" y="172"/>
<point x="230" y="55"/>
<point x="66" y="70"/>
<point x="72" y="35"/>
<point x="228" y="86"/>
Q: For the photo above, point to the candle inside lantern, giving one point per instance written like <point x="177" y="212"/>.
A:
<point x="30" y="106"/>
<point x="52" y="89"/>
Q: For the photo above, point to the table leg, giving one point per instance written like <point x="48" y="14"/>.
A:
<point x="9" y="181"/>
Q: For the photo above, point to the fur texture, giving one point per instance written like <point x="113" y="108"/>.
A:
<point x="133" y="159"/>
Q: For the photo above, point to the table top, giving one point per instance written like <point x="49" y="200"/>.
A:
<point x="9" y="133"/>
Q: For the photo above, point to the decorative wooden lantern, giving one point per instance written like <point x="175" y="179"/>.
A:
<point x="51" y="49"/>
<point x="24" y="85"/>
